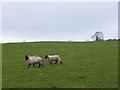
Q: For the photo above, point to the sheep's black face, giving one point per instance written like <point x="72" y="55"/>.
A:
<point x="46" y="56"/>
<point x="26" y="57"/>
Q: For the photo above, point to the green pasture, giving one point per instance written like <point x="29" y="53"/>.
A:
<point x="85" y="65"/>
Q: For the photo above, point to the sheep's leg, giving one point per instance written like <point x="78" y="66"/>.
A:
<point x="50" y="62"/>
<point x="34" y="65"/>
<point x="39" y="65"/>
<point x="61" y="62"/>
<point x="56" y="61"/>
<point x="29" y="65"/>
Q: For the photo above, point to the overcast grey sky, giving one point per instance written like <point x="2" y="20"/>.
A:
<point x="58" y="20"/>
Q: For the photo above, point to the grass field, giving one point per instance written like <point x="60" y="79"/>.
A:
<point x="85" y="65"/>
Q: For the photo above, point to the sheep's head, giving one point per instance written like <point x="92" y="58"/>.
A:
<point x="46" y="56"/>
<point x="26" y="57"/>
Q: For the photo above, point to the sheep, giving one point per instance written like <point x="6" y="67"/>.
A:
<point x="52" y="58"/>
<point x="32" y="60"/>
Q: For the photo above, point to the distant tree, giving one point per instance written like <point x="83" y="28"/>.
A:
<point x="70" y="40"/>
<point x="87" y="40"/>
<point x="24" y="41"/>
<point x="98" y="36"/>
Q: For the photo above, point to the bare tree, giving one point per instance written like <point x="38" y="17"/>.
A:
<point x="98" y="36"/>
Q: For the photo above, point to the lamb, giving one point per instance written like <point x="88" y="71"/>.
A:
<point x="52" y="58"/>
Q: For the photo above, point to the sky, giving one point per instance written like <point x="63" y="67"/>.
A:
<point x="57" y="21"/>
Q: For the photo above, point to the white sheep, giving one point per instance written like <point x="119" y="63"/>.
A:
<point x="52" y="58"/>
<point x="32" y="60"/>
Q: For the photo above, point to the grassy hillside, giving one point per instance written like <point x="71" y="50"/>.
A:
<point x="85" y="65"/>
